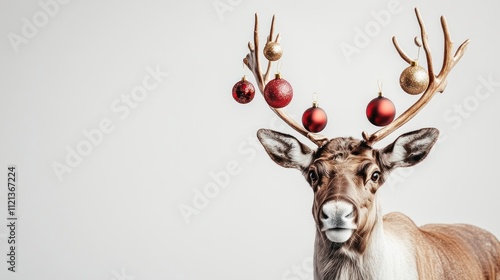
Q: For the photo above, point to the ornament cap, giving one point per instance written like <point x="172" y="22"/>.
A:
<point x="277" y="75"/>
<point x="414" y="63"/>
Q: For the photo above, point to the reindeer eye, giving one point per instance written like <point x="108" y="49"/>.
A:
<point x="375" y="176"/>
<point x="313" y="176"/>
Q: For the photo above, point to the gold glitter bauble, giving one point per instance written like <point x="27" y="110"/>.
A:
<point x="273" y="51"/>
<point x="414" y="79"/>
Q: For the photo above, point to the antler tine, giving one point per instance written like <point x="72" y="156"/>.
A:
<point x="436" y="83"/>
<point x="253" y="63"/>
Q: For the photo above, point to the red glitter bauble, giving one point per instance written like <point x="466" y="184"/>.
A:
<point x="243" y="91"/>
<point x="278" y="92"/>
<point x="314" y="119"/>
<point x="380" y="111"/>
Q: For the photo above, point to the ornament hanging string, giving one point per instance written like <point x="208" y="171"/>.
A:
<point x="379" y="84"/>
<point x="278" y="67"/>
<point x="418" y="43"/>
<point x="315" y="99"/>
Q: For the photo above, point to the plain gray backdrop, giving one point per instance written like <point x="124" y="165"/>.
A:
<point x="134" y="161"/>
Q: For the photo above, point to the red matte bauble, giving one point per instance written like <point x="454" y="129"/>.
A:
<point x="243" y="91"/>
<point x="314" y="119"/>
<point x="380" y="111"/>
<point x="278" y="92"/>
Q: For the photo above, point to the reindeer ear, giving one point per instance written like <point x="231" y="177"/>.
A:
<point x="285" y="149"/>
<point x="409" y="149"/>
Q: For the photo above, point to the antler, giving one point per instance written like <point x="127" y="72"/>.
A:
<point x="436" y="83"/>
<point x="253" y="63"/>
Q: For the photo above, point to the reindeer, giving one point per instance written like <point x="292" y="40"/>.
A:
<point x="353" y="239"/>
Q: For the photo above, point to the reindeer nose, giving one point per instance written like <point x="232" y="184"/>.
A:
<point x="337" y="214"/>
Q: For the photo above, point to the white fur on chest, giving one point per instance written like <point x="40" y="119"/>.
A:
<point x="388" y="257"/>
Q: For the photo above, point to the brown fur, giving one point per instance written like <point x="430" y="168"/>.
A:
<point x="449" y="251"/>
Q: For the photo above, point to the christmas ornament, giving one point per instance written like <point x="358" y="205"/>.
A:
<point x="243" y="91"/>
<point x="314" y="119"/>
<point x="380" y="111"/>
<point x="414" y="79"/>
<point x="273" y="51"/>
<point x="278" y="92"/>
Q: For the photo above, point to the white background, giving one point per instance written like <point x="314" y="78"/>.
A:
<point x="117" y="214"/>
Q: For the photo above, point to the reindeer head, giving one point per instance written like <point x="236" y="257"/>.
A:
<point x="345" y="175"/>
